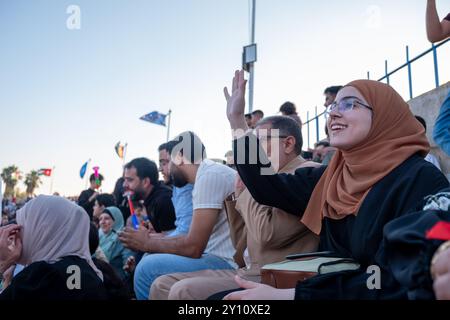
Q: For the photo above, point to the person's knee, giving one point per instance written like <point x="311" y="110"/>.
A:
<point x="149" y="265"/>
<point x="144" y="275"/>
<point x="160" y="288"/>
<point x="180" y="291"/>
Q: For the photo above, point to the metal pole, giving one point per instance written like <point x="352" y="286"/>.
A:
<point x="1" y="195"/>
<point x="252" y="65"/>
<point x="124" y="154"/>
<point x="168" y="124"/>
<point x="307" y="125"/>
<point x="436" y="70"/>
<point x="51" y="181"/>
<point x="409" y="73"/>
<point x="86" y="174"/>
<point x="368" y="75"/>
<point x="386" y="71"/>
<point x="317" y="127"/>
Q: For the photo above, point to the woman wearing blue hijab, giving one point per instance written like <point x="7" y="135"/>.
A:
<point x="111" y="222"/>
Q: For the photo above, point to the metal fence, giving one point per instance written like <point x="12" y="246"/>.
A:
<point x="407" y="64"/>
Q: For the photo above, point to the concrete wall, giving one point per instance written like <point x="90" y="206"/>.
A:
<point x="427" y="106"/>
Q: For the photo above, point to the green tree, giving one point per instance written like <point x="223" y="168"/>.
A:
<point x="32" y="181"/>
<point x="10" y="176"/>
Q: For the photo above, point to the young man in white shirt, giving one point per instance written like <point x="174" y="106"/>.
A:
<point x="208" y="244"/>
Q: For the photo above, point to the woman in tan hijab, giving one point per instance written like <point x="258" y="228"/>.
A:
<point x="377" y="174"/>
<point x="51" y="241"/>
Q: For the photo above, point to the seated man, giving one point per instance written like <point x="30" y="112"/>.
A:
<point x="256" y="116"/>
<point x="208" y="244"/>
<point x="271" y="234"/>
<point x="141" y="178"/>
<point x="181" y="197"/>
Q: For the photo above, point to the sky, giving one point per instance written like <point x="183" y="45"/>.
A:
<point x="72" y="86"/>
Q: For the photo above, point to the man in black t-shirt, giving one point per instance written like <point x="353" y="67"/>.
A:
<point x="87" y="197"/>
<point x="141" y="177"/>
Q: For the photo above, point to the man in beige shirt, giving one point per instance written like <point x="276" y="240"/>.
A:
<point x="270" y="233"/>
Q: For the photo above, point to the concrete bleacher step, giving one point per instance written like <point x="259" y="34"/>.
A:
<point x="427" y="106"/>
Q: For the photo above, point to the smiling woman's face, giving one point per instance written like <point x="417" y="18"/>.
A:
<point x="348" y="129"/>
<point x="106" y="223"/>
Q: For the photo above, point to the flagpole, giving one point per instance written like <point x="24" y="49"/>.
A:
<point x="168" y="124"/>
<point x="51" y="181"/>
<point x="1" y="196"/>
<point x="124" y="154"/>
<point x="86" y="175"/>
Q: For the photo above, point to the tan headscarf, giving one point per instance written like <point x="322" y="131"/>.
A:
<point x="395" y="135"/>
<point x="53" y="228"/>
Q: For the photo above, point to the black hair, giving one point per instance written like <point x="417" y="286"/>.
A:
<point x="229" y="153"/>
<point x="332" y="90"/>
<point x="287" y="127"/>
<point x="422" y="121"/>
<point x="145" y="168"/>
<point x="322" y="143"/>
<point x="162" y="147"/>
<point x="106" y="200"/>
<point x="248" y="115"/>
<point x="189" y="145"/>
<point x="93" y="178"/>
<point x="118" y="191"/>
<point x="288" y="108"/>
<point x="259" y="113"/>
<point x="93" y="238"/>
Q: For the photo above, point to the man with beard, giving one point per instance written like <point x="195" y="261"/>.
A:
<point x="208" y="244"/>
<point x="141" y="178"/>
<point x="181" y="197"/>
<point x="164" y="161"/>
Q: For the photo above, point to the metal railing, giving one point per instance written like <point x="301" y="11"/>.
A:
<point x="407" y="64"/>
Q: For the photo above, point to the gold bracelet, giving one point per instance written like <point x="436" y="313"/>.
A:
<point x="444" y="246"/>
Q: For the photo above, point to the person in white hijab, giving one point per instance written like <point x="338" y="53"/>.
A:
<point x="51" y="239"/>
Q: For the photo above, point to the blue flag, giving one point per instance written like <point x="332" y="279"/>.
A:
<point x="155" y="117"/>
<point x="83" y="169"/>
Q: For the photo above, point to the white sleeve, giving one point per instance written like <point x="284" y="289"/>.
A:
<point x="211" y="189"/>
<point x="432" y="159"/>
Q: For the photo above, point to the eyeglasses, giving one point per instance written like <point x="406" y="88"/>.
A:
<point x="267" y="137"/>
<point x="344" y="105"/>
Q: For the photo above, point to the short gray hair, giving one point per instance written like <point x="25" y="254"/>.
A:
<point x="287" y="127"/>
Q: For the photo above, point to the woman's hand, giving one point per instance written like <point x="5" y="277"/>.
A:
<point x="10" y="246"/>
<point x="258" y="291"/>
<point x="236" y="102"/>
